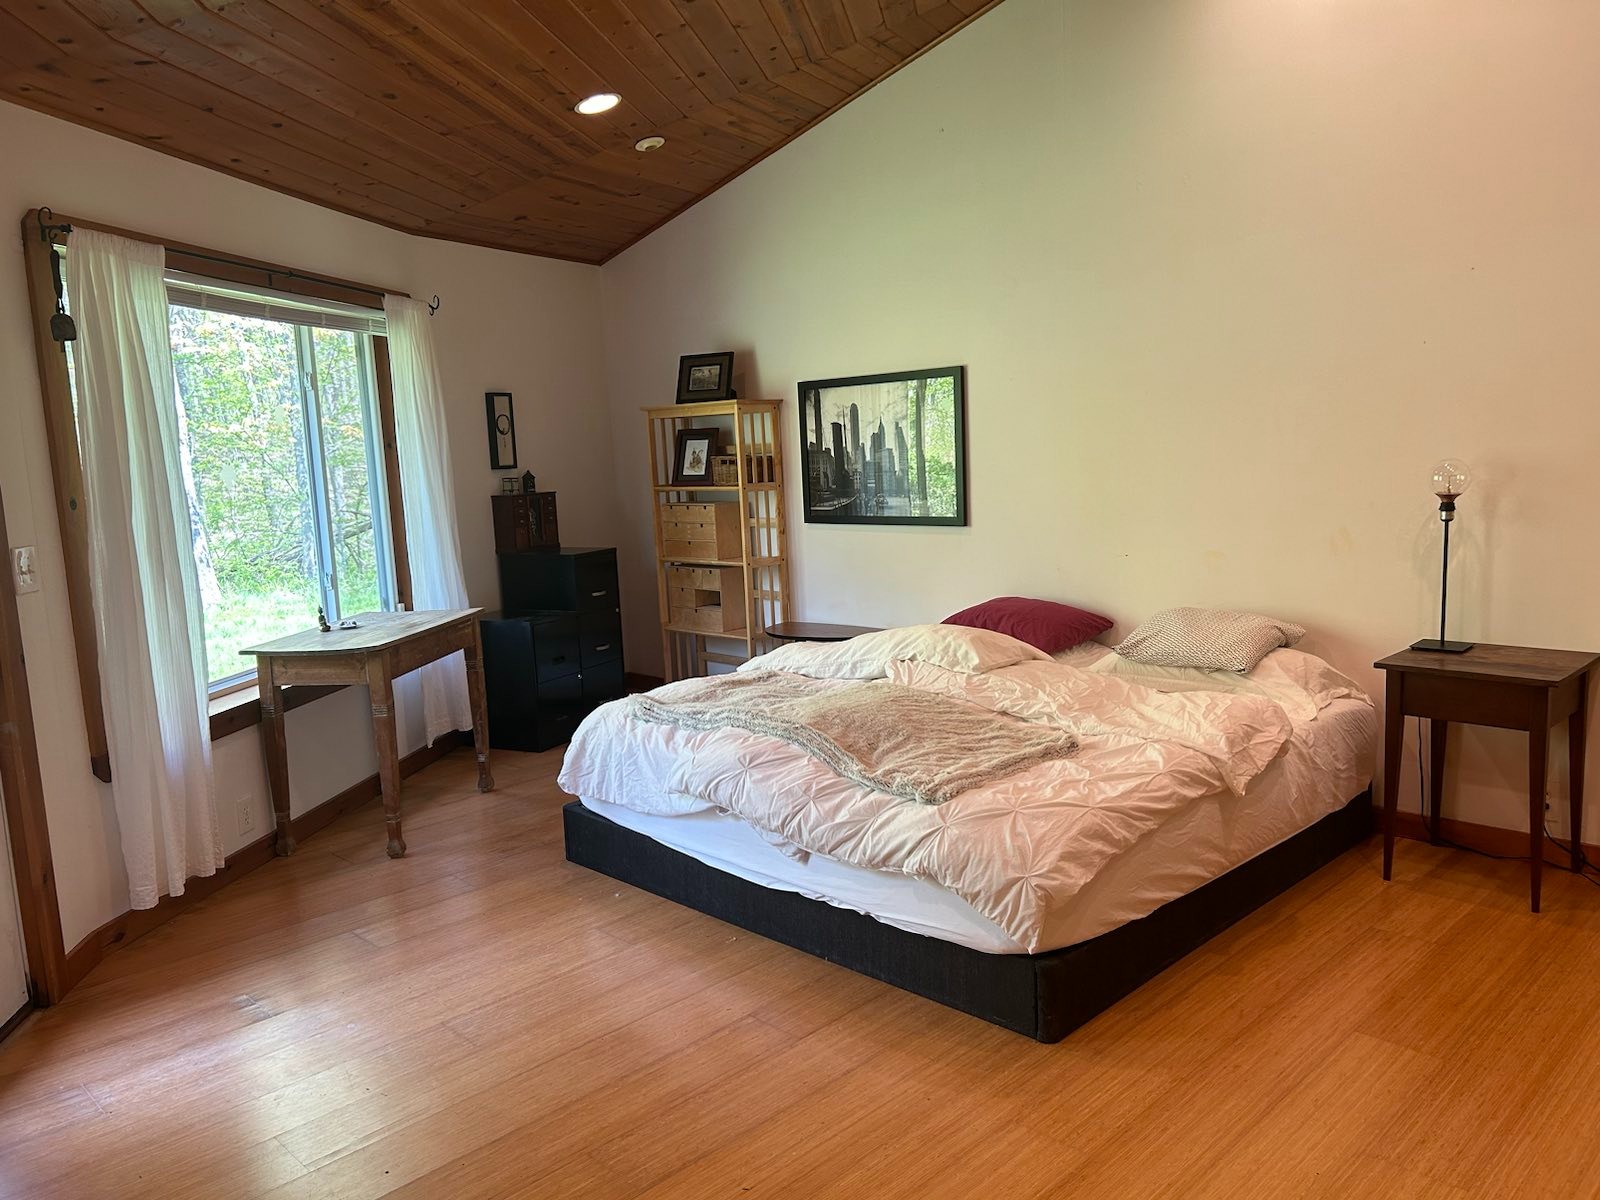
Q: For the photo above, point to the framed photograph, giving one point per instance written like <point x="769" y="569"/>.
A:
<point x="705" y="377"/>
<point x="885" y="449"/>
<point x="502" y="430"/>
<point x="691" y="458"/>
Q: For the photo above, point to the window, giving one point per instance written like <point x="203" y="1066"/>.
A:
<point x="282" y="463"/>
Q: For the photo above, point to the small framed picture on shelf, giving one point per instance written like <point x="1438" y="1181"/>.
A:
<point x="705" y="377"/>
<point x="691" y="458"/>
<point x="502" y="430"/>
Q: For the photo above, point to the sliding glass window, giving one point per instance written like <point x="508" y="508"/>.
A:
<point x="281" y="454"/>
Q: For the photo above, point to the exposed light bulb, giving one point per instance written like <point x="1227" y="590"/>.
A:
<point x="598" y="103"/>
<point x="1450" y="478"/>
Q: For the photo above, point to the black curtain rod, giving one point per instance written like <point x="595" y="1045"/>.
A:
<point x="46" y="228"/>
<point x="281" y="272"/>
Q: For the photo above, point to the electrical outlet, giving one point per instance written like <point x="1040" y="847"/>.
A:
<point x="247" y="814"/>
<point x="24" y="569"/>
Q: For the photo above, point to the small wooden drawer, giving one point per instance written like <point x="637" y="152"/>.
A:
<point x="701" y="531"/>
<point x="727" y="580"/>
<point x="712" y="618"/>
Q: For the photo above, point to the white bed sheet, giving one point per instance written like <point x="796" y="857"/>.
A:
<point x="1327" y="762"/>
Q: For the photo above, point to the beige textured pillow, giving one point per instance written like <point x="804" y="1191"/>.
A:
<point x="1212" y="638"/>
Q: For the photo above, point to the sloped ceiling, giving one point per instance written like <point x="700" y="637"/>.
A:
<point x="454" y="118"/>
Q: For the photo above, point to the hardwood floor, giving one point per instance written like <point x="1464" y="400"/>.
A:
<point x="482" y="1019"/>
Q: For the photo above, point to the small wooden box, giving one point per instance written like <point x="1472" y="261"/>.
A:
<point x="525" y="521"/>
<point x="725" y="470"/>
<point x="701" y="531"/>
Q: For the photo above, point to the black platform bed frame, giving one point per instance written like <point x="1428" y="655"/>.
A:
<point x="1045" y="996"/>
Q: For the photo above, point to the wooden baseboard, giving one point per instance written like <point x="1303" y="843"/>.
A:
<point x="1491" y="839"/>
<point x="134" y="924"/>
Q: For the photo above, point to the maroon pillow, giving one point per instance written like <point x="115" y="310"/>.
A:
<point x="1042" y="623"/>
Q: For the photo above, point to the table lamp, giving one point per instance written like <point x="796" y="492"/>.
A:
<point x="1450" y="478"/>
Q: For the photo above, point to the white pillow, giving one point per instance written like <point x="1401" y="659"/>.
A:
<point x="1213" y="638"/>
<point x="1299" y="683"/>
<point x="954" y="647"/>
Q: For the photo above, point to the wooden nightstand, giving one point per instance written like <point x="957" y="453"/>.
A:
<point x="1509" y="687"/>
<point x="816" y="631"/>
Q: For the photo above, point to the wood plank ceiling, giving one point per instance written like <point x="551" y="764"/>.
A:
<point x="453" y="118"/>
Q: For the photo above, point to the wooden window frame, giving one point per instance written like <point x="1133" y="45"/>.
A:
<point x="241" y="709"/>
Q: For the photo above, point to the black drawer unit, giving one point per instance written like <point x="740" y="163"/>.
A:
<point x="568" y="579"/>
<point x="554" y="651"/>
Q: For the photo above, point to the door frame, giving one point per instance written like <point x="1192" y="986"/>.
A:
<point x="42" y="939"/>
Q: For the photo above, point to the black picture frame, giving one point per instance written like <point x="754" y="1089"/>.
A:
<point x="703" y="377"/>
<point x="899" y="483"/>
<point x="683" y="449"/>
<point x="498" y="409"/>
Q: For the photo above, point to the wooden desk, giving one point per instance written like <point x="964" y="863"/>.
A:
<point x="1508" y="687"/>
<point x="816" y="631"/>
<point x="384" y="647"/>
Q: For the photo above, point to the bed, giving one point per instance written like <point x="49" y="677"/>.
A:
<point x="1255" y="788"/>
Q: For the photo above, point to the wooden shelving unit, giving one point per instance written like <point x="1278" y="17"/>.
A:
<point x="750" y="427"/>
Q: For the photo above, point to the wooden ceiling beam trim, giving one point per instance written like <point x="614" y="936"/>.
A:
<point x="217" y="53"/>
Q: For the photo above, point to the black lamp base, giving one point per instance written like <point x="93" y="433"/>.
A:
<point x="1439" y="647"/>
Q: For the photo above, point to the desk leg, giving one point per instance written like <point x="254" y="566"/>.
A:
<point x="1394" y="736"/>
<point x="1538" y="758"/>
<point x="1577" y="735"/>
<point x="1440" y="735"/>
<point x="381" y="688"/>
<point x="480" y="714"/>
<point x="275" y="750"/>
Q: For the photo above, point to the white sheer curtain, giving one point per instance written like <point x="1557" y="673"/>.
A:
<point x="433" y="546"/>
<point x="148" y="616"/>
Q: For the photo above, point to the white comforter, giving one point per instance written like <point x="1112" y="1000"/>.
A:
<point x="1013" y="849"/>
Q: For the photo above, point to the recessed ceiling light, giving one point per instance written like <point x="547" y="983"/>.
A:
<point x="598" y="103"/>
<point x="645" y="144"/>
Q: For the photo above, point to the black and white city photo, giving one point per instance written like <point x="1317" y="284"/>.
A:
<point x="885" y="449"/>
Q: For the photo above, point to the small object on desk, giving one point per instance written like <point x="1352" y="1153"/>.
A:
<point x="385" y="647"/>
<point x="322" y="621"/>
<point x="1450" y="479"/>
<point x="1507" y="687"/>
<point x="816" y="631"/>
<point x="349" y="623"/>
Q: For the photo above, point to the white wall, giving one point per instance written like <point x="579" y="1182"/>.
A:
<point x="1228" y="276"/>
<point x="508" y="323"/>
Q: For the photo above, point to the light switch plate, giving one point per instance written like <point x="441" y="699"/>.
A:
<point x="24" y="569"/>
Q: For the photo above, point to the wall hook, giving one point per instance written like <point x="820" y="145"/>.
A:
<point x="433" y="305"/>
